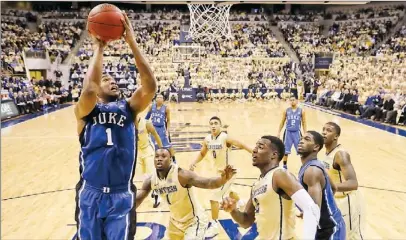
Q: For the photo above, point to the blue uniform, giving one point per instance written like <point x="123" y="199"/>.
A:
<point x="105" y="194"/>
<point x="331" y="224"/>
<point x="292" y="133"/>
<point x="158" y="119"/>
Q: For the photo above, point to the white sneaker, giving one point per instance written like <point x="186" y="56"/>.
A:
<point x="213" y="230"/>
<point x="241" y="205"/>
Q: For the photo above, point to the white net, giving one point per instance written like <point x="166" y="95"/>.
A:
<point x="209" y="22"/>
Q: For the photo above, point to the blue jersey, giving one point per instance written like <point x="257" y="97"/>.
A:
<point x="293" y="119"/>
<point x="330" y="215"/>
<point x="158" y="116"/>
<point x="108" y="145"/>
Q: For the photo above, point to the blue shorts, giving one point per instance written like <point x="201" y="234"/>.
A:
<point x="291" y="138"/>
<point x="105" y="213"/>
<point x="336" y="233"/>
<point x="164" y="137"/>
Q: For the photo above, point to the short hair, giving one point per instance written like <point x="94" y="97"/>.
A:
<point x="166" y="149"/>
<point x="276" y="144"/>
<point x="160" y="95"/>
<point x="336" y="127"/>
<point x="215" y="118"/>
<point x="318" y="139"/>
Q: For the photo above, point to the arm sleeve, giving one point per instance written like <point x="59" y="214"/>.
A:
<point x="311" y="213"/>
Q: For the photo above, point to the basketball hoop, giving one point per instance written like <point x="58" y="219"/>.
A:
<point x="209" y="22"/>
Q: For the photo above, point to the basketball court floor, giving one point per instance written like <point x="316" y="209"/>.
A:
<point x="40" y="169"/>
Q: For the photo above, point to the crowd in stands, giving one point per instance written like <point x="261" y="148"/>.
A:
<point x="369" y="13"/>
<point x="370" y="87"/>
<point x="396" y="45"/>
<point x="35" y="95"/>
<point x="373" y="88"/>
<point x="14" y="38"/>
<point x="57" y="37"/>
<point x="60" y="37"/>
<point x="352" y="33"/>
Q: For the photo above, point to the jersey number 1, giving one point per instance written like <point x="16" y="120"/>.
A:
<point x="109" y="137"/>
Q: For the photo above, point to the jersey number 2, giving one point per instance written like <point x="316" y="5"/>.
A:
<point x="109" y="137"/>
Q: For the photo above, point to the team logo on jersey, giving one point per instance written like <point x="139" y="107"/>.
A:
<point x="167" y="190"/>
<point x="260" y="190"/>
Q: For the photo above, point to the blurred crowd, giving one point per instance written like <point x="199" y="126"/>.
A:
<point x="250" y="66"/>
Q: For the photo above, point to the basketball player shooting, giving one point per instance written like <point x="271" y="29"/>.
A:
<point x="187" y="217"/>
<point x="315" y="180"/>
<point x="271" y="205"/>
<point x="217" y="144"/>
<point x="106" y="126"/>
<point x="337" y="161"/>
<point x="294" y="117"/>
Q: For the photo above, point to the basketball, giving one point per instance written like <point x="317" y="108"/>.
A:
<point x="104" y="22"/>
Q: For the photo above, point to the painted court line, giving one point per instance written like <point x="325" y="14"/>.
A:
<point x="370" y="123"/>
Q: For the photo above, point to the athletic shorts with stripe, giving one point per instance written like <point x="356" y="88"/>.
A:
<point x="192" y="230"/>
<point x="224" y="191"/>
<point x="334" y="233"/>
<point x="105" y="213"/>
<point x="352" y="209"/>
<point x="291" y="138"/>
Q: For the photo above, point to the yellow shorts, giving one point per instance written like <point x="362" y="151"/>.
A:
<point x="352" y="209"/>
<point x="194" y="229"/>
<point x="224" y="191"/>
<point x="145" y="160"/>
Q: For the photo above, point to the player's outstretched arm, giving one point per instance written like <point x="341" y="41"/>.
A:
<point x="304" y="121"/>
<point x="343" y="160"/>
<point x="151" y="129"/>
<point x="91" y="83"/>
<point x="189" y="179"/>
<point x="168" y="119"/>
<point x="244" y="219"/>
<point x="143" y="192"/>
<point x="282" y="123"/>
<point x="234" y="142"/>
<point x="143" y="96"/>
<point x="285" y="181"/>
<point x="202" y="154"/>
<point x="313" y="178"/>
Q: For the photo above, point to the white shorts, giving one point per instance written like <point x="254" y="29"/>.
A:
<point x="352" y="209"/>
<point x="145" y="160"/>
<point x="193" y="230"/>
<point x="224" y="191"/>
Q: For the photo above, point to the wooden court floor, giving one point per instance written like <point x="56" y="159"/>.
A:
<point x="39" y="169"/>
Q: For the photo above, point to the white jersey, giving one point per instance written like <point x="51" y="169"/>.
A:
<point x="274" y="215"/>
<point x="181" y="201"/>
<point x="217" y="150"/>
<point x="335" y="175"/>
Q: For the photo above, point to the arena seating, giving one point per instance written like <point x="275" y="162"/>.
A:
<point x="253" y="58"/>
